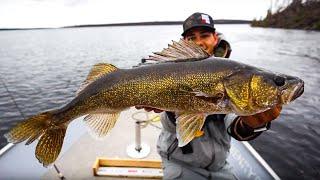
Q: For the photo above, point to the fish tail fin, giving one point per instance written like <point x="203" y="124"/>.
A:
<point x="50" y="143"/>
<point x="30" y="129"/>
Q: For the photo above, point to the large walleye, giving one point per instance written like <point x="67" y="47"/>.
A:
<point x="187" y="81"/>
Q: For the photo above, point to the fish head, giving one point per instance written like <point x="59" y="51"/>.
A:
<point x="254" y="91"/>
<point x="292" y="89"/>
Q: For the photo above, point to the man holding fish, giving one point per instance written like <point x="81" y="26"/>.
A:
<point x="205" y="156"/>
<point x="195" y="89"/>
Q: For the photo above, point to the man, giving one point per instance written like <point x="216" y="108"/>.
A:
<point x="205" y="156"/>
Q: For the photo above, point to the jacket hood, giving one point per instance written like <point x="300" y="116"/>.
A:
<point x="223" y="49"/>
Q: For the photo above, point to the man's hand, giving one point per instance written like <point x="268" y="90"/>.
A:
<point x="148" y="109"/>
<point x="260" y="119"/>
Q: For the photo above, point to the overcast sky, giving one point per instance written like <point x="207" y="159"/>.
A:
<point x="57" y="13"/>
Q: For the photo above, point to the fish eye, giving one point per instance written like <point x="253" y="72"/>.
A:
<point x="279" y="81"/>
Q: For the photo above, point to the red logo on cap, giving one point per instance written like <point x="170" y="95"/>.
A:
<point x="205" y="19"/>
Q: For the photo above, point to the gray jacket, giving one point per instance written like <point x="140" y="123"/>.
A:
<point x="210" y="151"/>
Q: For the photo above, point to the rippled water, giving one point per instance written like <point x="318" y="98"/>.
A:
<point x="42" y="69"/>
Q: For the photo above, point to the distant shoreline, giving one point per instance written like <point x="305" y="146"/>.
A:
<point x="297" y="15"/>
<point x="152" y="23"/>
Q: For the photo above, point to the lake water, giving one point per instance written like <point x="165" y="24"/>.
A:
<point x="42" y="69"/>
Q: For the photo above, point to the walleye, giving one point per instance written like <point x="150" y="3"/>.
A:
<point x="186" y="80"/>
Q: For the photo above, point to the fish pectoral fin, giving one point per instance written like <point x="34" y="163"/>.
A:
<point x="97" y="71"/>
<point x="188" y="127"/>
<point x="100" y="124"/>
<point x="214" y="98"/>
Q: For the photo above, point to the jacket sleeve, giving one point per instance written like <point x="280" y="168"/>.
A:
<point x="242" y="132"/>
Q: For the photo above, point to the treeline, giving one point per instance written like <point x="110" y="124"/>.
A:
<point x="300" y="14"/>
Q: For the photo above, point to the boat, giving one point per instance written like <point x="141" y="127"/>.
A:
<point x="80" y="151"/>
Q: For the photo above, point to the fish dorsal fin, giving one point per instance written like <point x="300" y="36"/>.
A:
<point x="188" y="127"/>
<point x="180" y="51"/>
<point x="97" y="71"/>
<point x="100" y="124"/>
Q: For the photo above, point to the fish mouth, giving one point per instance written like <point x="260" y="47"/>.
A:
<point x="298" y="92"/>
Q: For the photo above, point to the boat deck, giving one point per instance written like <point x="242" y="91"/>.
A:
<point x="78" y="160"/>
<point x="80" y="151"/>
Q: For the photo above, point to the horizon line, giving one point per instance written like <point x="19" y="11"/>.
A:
<point x="145" y="23"/>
